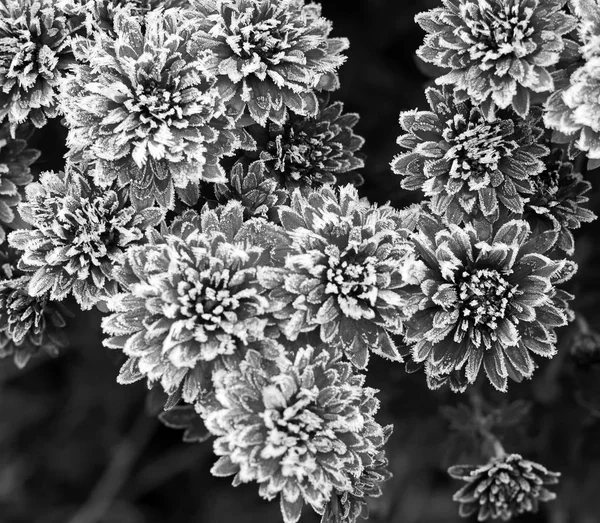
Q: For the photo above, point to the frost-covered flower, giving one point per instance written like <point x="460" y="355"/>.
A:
<point x="28" y="324"/>
<point x="345" y="266"/>
<point x="503" y="488"/>
<point x="488" y="302"/>
<point x="147" y="112"/>
<point x="466" y="164"/>
<point x="255" y="186"/>
<point x="557" y="201"/>
<point x="500" y="52"/>
<point x="312" y="151"/>
<point x="300" y="426"/>
<point x="78" y="234"/>
<point x="270" y="55"/>
<point x="190" y="300"/>
<point x="34" y="55"/>
<point x="15" y="159"/>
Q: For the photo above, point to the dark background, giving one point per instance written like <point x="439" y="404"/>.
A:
<point x="75" y="447"/>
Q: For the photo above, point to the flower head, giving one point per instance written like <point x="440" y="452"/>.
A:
<point x="499" y="51"/>
<point x="146" y="110"/>
<point x="78" y="234"/>
<point x="486" y="301"/>
<point x="467" y="164"/>
<point x="345" y="266"/>
<point x="300" y="426"/>
<point x="15" y="159"/>
<point x="34" y="55"/>
<point x="270" y="55"/>
<point x="559" y="193"/>
<point x="312" y="151"/>
<point x="503" y="488"/>
<point x="190" y="300"/>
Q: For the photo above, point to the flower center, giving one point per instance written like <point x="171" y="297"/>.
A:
<point x="352" y="280"/>
<point x="484" y="296"/>
<point x="157" y="105"/>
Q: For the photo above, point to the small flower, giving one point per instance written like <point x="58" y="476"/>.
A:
<point x="312" y="151"/>
<point x="503" y="488"/>
<point x="255" y="186"/>
<point x="15" y="159"/>
<point x="466" y="164"/>
<point x="486" y="301"/>
<point x="270" y="55"/>
<point x="190" y="300"/>
<point x="147" y="111"/>
<point x="34" y="55"/>
<point x="78" y="233"/>
<point x="557" y="201"/>
<point x="345" y="266"/>
<point x="300" y="426"/>
<point x="500" y="52"/>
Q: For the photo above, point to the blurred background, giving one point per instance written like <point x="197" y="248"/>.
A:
<point x="76" y="447"/>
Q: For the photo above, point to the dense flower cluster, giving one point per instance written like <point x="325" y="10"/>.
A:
<point x="15" y="161"/>
<point x="302" y="427"/>
<point x="269" y="55"/>
<point x="500" y="52"/>
<point x="503" y="488"/>
<point x="147" y="111"/>
<point x="344" y="271"/>
<point x="488" y="302"/>
<point x="466" y="164"/>
<point x="34" y="55"/>
<point x="78" y="233"/>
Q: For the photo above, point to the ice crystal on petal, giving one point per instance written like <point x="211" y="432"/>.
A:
<point x="490" y="302"/>
<point x="500" y="52"/>
<point x="466" y="164"/>
<point x="301" y="426"/>
<point x="34" y="55"/>
<point x="345" y="267"/>
<point x="148" y="112"/>
<point x="270" y="55"/>
<point x="190" y="300"/>
<point x="78" y="234"/>
<point x="503" y="488"/>
<point x="15" y="160"/>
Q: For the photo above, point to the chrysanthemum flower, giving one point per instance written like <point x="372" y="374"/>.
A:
<point x="78" y="233"/>
<point x="488" y="302"/>
<point x="312" y="151"/>
<point x="503" y="488"/>
<point x="147" y="111"/>
<point x="557" y="201"/>
<point x="345" y="267"/>
<point x="34" y="55"/>
<point x="270" y="55"/>
<point x="15" y="159"/>
<point x="190" y="300"/>
<point x="299" y="426"/>
<point x="255" y="186"/>
<point x="466" y="164"/>
<point x="28" y="325"/>
<point x="500" y="52"/>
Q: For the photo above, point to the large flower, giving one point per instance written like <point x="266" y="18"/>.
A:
<point x="78" y="234"/>
<point x="147" y="111"/>
<point x="503" y="488"/>
<point x="557" y="201"/>
<point x="344" y="269"/>
<point x="300" y="426"/>
<point x="34" y="55"/>
<point x="15" y="159"/>
<point x="270" y="55"/>
<point x="486" y="301"/>
<point x="467" y="164"/>
<point x="499" y="51"/>
<point x="190" y="300"/>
